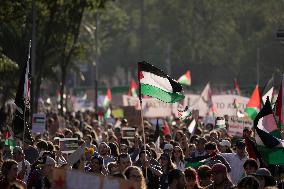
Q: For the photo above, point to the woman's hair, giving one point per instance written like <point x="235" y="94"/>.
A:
<point x="248" y="182"/>
<point x="7" y="165"/>
<point x="127" y="175"/>
<point x="170" y="164"/>
<point x="178" y="132"/>
<point x="181" y="154"/>
<point x="250" y="162"/>
<point x="204" y="172"/>
<point x="190" y="172"/>
<point x="113" y="149"/>
<point x="153" y="153"/>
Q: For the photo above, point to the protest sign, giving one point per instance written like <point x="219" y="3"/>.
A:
<point x="237" y="124"/>
<point x="128" y="133"/>
<point x="132" y="115"/>
<point x="117" y="113"/>
<point x="38" y="124"/>
<point x="75" y="156"/>
<point x="68" y="145"/>
<point x="151" y="107"/>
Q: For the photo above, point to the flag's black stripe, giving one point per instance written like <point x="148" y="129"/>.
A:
<point x="266" y="110"/>
<point x="267" y="86"/>
<point x="267" y="139"/>
<point x="144" y="66"/>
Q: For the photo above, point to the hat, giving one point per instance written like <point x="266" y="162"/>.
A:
<point x="168" y="147"/>
<point x="240" y="144"/>
<point x="269" y="179"/>
<point x="201" y="140"/>
<point x="18" y="149"/>
<point x="225" y="143"/>
<point x="219" y="168"/>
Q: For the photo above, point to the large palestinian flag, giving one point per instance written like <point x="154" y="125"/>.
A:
<point x="279" y="113"/>
<point x="253" y="105"/>
<point x="267" y="136"/>
<point x="157" y="84"/>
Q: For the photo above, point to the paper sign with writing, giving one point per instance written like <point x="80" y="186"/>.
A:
<point x="38" y="124"/>
<point x="68" y="145"/>
<point x="236" y="125"/>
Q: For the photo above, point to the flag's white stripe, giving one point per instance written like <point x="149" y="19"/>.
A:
<point x="156" y="81"/>
<point x="259" y="141"/>
<point x="282" y="99"/>
<point x="268" y="94"/>
<point x="267" y="123"/>
<point x="191" y="126"/>
<point x="182" y="78"/>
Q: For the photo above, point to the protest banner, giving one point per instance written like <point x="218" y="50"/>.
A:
<point x="74" y="179"/>
<point x="68" y="145"/>
<point x="128" y="132"/>
<point x="152" y="108"/>
<point x="39" y="123"/>
<point x="237" y="124"/>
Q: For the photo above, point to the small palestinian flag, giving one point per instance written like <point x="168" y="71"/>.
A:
<point x="107" y="99"/>
<point x="132" y="89"/>
<point x="253" y="105"/>
<point x="155" y="83"/>
<point x="185" y="79"/>
<point x="236" y="87"/>
<point x="279" y="112"/>
<point x="184" y="114"/>
<point x="9" y="140"/>
<point x="107" y="113"/>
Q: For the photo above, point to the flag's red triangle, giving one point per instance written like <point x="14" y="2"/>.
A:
<point x="254" y="101"/>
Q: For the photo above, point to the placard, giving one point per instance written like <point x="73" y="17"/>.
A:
<point x="237" y="124"/>
<point x="68" y="145"/>
<point x="39" y="123"/>
<point x="117" y="113"/>
<point x="75" y="156"/>
<point x="128" y="132"/>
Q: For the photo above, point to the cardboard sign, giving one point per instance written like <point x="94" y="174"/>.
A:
<point x="117" y="113"/>
<point x="38" y="124"/>
<point x="128" y="133"/>
<point x="132" y="115"/>
<point x="75" y="156"/>
<point x="236" y="125"/>
<point x="68" y="145"/>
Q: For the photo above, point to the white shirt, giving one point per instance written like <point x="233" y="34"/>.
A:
<point x="180" y="166"/>
<point x="28" y="166"/>
<point x="236" y="165"/>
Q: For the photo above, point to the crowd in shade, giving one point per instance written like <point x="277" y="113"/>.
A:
<point x="208" y="158"/>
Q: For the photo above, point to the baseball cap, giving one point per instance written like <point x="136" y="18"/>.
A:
<point x="225" y="143"/>
<point x="168" y="147"/>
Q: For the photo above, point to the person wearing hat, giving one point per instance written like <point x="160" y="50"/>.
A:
<point x="168" y="149"/>
<point x="264" y="177"/>
<point x="220" y="177"/>
<point x="24" y="167"/>
<point x="225" y="146"/>
<point x="237" y="160"/>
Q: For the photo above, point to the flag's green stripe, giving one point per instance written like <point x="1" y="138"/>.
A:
<point x="273" y="156"/>
<point x="160" y="94"/>
<point x="251" y="112"/>
<point x="276" y="133"/>
<point x="193" y="164"/>
<point x="10" y="142"/>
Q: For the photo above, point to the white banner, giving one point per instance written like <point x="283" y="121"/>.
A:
<point x="236" y="125"/>
<point x="38" y="124"/>
<point x="152" y="108"/>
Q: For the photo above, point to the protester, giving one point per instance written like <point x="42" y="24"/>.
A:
<point x="9" y="172"/>
<point x="135" y="174"/>
<point x="178" y="158"/>
<point x="248" y="182"/>
<point x="225" y="146"/>
<point x="220" y="177"/>
<point x="96" y="165"/>
<point x="192" y="179"/>
<point x="236" y="161"/>
<point x="176" y="179"/>
<point x="265" y="178"/>
<point x="250" y="166"/>
<point x="24" y="166"/>
<point x="200" y="148"/>
<point x="204" y="175"/>
<point x="123" y="162"/>
<point x="167" y="165"/>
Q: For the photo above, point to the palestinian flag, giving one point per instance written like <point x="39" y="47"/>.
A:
<point x="185" y="79"/>
<point x="155" y="83"/>
<point x="184" y="114"/>
<point x="270" y="147"/>
<point x="236" y="87"/>
<point x="9" y="140"/>
<point x="166" y="129"/>
<point x="253" y="105"/>
<point x="279" y="113"/>
<point x="107" y="113"/>
<point x="267" y="91"/>
<point x="107" y="99"/>
<point x="191" y="127"/>
<point x="132" y="89"/>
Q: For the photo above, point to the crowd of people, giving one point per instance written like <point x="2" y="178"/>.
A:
<point x="208" y="158"/>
